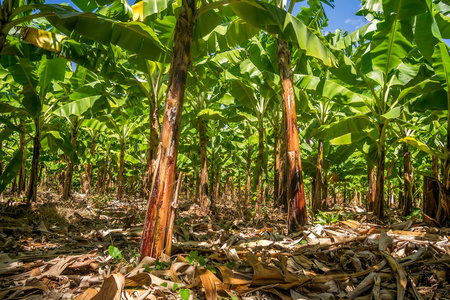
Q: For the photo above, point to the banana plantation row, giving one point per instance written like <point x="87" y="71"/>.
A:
<point x="230" y="93"/>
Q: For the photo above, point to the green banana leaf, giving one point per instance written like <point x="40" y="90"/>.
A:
<point x="344" y="127"/>
<point x="422" y="147"/>
<point x="277" y="21"/>
<point x="11" y="169"/>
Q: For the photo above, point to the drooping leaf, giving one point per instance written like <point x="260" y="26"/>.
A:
<point x="11" y="169"/>
<point x="422" y="147"/>
<point x="277" y="21"/>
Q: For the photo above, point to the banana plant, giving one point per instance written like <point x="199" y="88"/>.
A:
<point x="36" y="100"/>
<point x="84" y="98"/>
<point x="257" y="99"/>
<point x="208" y="102"/>
<point x="431" y="27"/>
<point x="294" y="31"/>
<point x="123" y="122"/>
<point x="185" y="30"/>
<point x="391" y="71"/>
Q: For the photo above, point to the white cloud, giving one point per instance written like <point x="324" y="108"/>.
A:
<point x="356" y="23"/>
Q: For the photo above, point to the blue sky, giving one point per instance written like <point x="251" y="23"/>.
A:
<point x="342" y="16"/>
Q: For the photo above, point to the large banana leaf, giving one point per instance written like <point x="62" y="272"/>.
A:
<point x="441" y="64"/>
<point x="331" y="90"/>
<point x="25" y="74"/>
<point x="342" y="127"/>
<point x="389" y="44"/>
<point x="222" y="37"/>
<point x="11" y="170"/>
<point x="392" y="42"/>
<point x="145" y="8"/>
<point x="135" y="37"/>
<point x="77" y="107"/>
<point x="244" y="93"/>
<point x="422" y="147"/>
<point x="350" y="40"/>
<point x="277" y="21"/>
<point x="50" y="70"/>
<point x="101" y="61"/>
<point x="211" y="114"/>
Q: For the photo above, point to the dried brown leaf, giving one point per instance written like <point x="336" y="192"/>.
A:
<point x="111" y="288"/>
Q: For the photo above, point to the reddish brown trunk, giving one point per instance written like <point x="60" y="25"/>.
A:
<point x="372" y="187"/>
<point x="408" y="174"/>
<point x="217" y="184"/>
<point x="203" y="188"/>
<point x="318" y="183"/>
<point x="67" y="192"/>
<point x="212" y="179"/>
<point x="88" y="167"/>
<point x="283" y="174"/>
<point x="22" y="177"/>
<point x="443" y="213"/>
<point x="32" y="183"/>
<point x="103" y="178"/>
<point x="152" y="151"/>
<point x="378" y="210"/>
<point x="431" y="190"/>
<point x="296" y="193"/>
<point x="156" y="221"/>
<point x="197" y="184"/>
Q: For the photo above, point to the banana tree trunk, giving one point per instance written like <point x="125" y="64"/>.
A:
<point x="408" y="173"/>
<point x="296" y="193"/>
<point x="318" y="186"/>
<point x="88" y="167"/>
<point x="203" y="188"/>
<point x="32" y="183"/>
<point x="283" y="174"/>
<point x="431" y="190"/>
<point x="259" y="187"/>
<point x="248" y="200"/>
<point x="443" y="213"/>
<point x="277" y="165"/>
<point x="217" y="192"/>
<point x="324" y="188"/>
<point x="22" y="178"/>
<point x="378" y="209"/>
<point x="158" y="209"/>
<point x="102" y="179"/>
<point x="2" y="40"/>
<point x="67" y="192"/>
<point x="120" y="178"/>
<point x="212" y="179"/>
<point x="372" y="187"/>
<point x="152" y="152"/>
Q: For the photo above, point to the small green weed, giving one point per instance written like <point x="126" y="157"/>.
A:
<point x="115" y="253"/>
<point x="416" y="213"/>
<point x="326" y="218"/>
<point x="185" y="294"/>
<point x="193" y="256"/>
